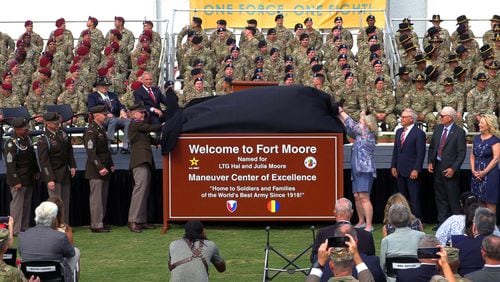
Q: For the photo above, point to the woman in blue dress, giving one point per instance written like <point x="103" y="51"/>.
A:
<point x="362" y="164"/>
<point x="484" y="162"/>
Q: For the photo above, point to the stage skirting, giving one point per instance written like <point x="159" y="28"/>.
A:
<point x="121" y="186"/>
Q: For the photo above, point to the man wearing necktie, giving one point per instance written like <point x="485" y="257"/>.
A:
<point x="151" y="97"/>
<point x="117" y="116"/>
<point x="408" y="158"/>
<point x="446" y="155"/>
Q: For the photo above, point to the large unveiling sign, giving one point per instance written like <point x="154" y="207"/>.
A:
<point x="253" y="177"/>
<point x="237" y="12"/>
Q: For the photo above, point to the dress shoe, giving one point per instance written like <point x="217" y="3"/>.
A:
<point x="134" y="227"/>
<point x="147" y="226"/>
<point x="99" y="230"/>
<point x="124" y="151"/>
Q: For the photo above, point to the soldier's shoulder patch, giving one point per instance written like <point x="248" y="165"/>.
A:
<point x="10" y="158"/>
<point x="90" y="144"/>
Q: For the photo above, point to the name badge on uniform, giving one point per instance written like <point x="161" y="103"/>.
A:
<point x="90" y="145"/>
<point x="9" y="157"/>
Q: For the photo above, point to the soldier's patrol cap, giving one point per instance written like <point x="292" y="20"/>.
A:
<point x="191" y="33"/>
<point x="481" y="77"/>
<point x="458" y="71"/>
<point x="197" y="39"/>
<point x="338" y="18"/>
<point x="222" y="22"/>
<point x="320" y="75"/>
<point x="19" y="122"/>
<point x="252" y="21"/>
<point x="373" y="37"/>
<point x="310" y="49"/>
<point x="403" y="70"/>
<point x="289" y="58"/>
<point x="345" y="66"/>
<point x="4" y="236"/>
<point x="448" y="81"/>
<point x="347" y="75"/>
<point x="317" y="68"/>
<point x="452" y="253"/>
<point x="221" y="29"/>
<point x="314" y="59"/>
<point x="460" y="49"/>
<point x="485" y="48"/>
<point x="465" y="37"/>
<point x="258" y="58"/>
<point x="303" y="36"/>
<point x="197" y="20"/>
<point x="436" y="18"/>
<point x="342" y="46"/>
<point x="340" y="254"/>
<point x="341" y="56"/>
<point x="374" y="48"/>
<point x="462" y="19"/>
<point x="495" y="18"/>
<point x="370" y="17"/>
<point x="409" y="46"/>
<point x="261" y="44"/>
<point x="196" y="71"/>
<point x="377" y="62"/>
<point x="198" y="79"/>
<point x="288" y="75"/>
<point x="7" y="86"/>
<point x="273" y="50"/>
<point x="492" y="66"/>
<point x="230" y="41"/>
<point x="297" y="26"/>
<point x="228" y="79"/>
<point x="419" y="77"/>
<point x="289" y="68"/>
<point x="452" y="58"/>
<point x="257" y="70"/>
<point x="278" y="17"/>
<point x="432" y="31"/>
<point x="51" y="116"/>
<point x="271" y="31"/>
<point x="378" y="79"/>
<point x="404" y="26"/>
<point x="99" y="109"/>
<point x="430" y="70"/>
<point x="137" y="107"/>
<point x="308" y="19"/>
<point x="436" y="39"/>
<point x="419" y="58"/>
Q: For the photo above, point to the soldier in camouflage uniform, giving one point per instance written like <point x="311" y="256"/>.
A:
<point x="363" y="35"/>
<point x="282" y="33"/>
<point x="198" y="31"/>
<point x="432" y="76"/>
<point x="7" y="272"/>
<point x="422" y="102"/>
<point x="354" y="98"/>
<point x="249" y="48"/>
<point x="50" y="87"/>
<point x="21" y="171"/>
<point x="198" y="91"/>
<point x="441" y="32"/>
<point x="219" y="46"/>
<point x="465" y="60"/>
<point x="88" y="68"/>
<point x="20" y="84"/>
<point x="213" y="37"/>
<point x="345" y="34"/>
<point x="36" y="101"/>
<point x="381" y="103"/>
<point x="315" y="38"/>
<point x="294" y="43"/>
<point x="480" y="100"/>
<point x="377" y="72"/>
<point x="198" y="51"/>
<point x="67" y="34"/>
<point x="463" y="27"/>
<point x="96" y="37"/>
<point x="403" y="86"/>
<point x="493" y="78"/>
<point x="227" y="73"/>
<point x="74" y="98"/>
<point x="7" y="45"/>
<point x="452" y="98"/>
<point x="127" y="36"/>
<point x="274" y="67"/>
<point x="462" y="85"/>
<point x="7" y="99"/>
<point x="433" y="57"/>
<point x="489" y="36"/>
<point x="258" y="34"/>
<point x="240" y="64"/>
<point x="451" y="64"/>
<point x="273" y="41"/>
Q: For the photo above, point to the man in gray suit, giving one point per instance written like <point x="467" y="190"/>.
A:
<point x="341" y="263"/>
<point x="491" y="254"/>
<point x="44" y="243"/>
<point x="446" y="155"/>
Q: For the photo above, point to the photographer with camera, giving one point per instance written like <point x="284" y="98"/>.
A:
<point x="7" y="272"/>
<point x="342" y="260"/>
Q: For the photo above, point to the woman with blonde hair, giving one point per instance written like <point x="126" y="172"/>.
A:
<point x="484" y="162"/>
<point x="398" y="198"/>
<point x="363" y="169"/>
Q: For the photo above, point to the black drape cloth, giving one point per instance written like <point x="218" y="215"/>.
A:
<point x="122" y="182"/>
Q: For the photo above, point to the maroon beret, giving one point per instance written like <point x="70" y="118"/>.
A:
<point x="141" y="60"/>
<point x="86" y="43"/>
<point x="116" y="33"/>
<point x="115" y="46"/>
<point x="146" y="49"/>
<point x="28" y="22"/>
<point x="60" y="22"/>
<point x="12" y="64"/>
<point x="76" y="59"/>
<point x="45" y="71"/>
<point x="139" y="73"/>
<point x="44" y="61"/>
<point x="7" y="86"/>
<point x="135" y="85"/>
<point x="110" y="64"/>
<point x="107" y="51"/>
<point x="58" y="32"/>
<point x="102" y="71"/>
<point x="74" y="68"/>
<point x="82" y="51"/>
<point x="94" y="20"/>
<point x="35" y="85"/>
<point x="84" y="32"/>
<point x="120" y="19"/>
<point x="5" y="74"/>
<point x="68" y="82"/>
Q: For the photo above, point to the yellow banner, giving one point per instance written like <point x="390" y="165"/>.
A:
<point x="237" y="12"/>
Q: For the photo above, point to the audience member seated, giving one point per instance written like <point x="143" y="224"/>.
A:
<point x="372" y="262"/>
<point x="404" y="240"/>
<point x="343" y="214"/>
<point x="388" y="228"/>
<point x="42" y="242"/>
<point x="188" y="257"/>
<point x="7" y="272"/>
<point x="490" y="251"/>
<point x="428" y="267"/>
<point x="470" y="246"/>
<point x="342" y="260"/>
<point x="451" y="255"/>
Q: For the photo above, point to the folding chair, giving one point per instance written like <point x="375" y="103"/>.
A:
<point x="47" y="270"/>
<point x="67" y="114"/>
<point x="10" y="256"/>
<point x="395" y="264"/>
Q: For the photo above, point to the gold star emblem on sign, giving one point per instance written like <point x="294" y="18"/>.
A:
<point x="194" y="161"/>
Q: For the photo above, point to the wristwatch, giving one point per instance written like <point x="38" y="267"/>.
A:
<point x="317" y="265"/>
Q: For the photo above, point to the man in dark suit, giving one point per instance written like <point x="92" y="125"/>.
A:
<point x="117" y="115"/>
<point x="428" y="267"/>
<point x="470" y="257"/>
<point x="44" y="243"/>
<point x="141" y="163"/>
<point x="407" y="159"/>
<point x="151" y="97"/>
<point x="343" y="214"/>
<point x="490" y="250"/>
<point x="446" y="155"/>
